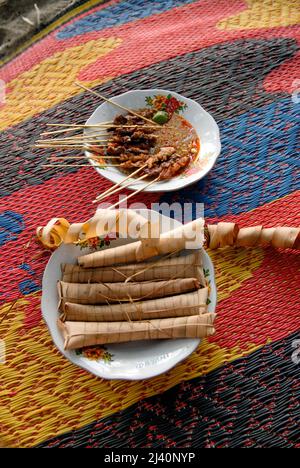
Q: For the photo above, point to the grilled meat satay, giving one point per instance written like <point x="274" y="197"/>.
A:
<point x="163" y="155"/>
<point x="173" y="167"/>
<point x="133" y="157"/>
<point x="135" y="143"/>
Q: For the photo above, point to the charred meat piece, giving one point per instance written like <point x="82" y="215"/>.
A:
<point x="121" y="140"/>
<point x="148" y="113"/>
<point x="138" y="150"/>
<point x="133" y="157"/>
<point x="163" y="155"/>
<point x="138" y="157"/>
<point x="145" y="138"/>
<point x="124" y="157"/>
<point x="131" y="165"/>
<point x="133" y="137"/>
<point x="114" y="150"/>
<point x="166" y="151"/>
<point x="172" y="168"/>
<point x="146" y="131"/>
<point x="142" y="146"/>
<point x="135" y="120"/>
<point x="152" y="172"/>
<point x="120" y="120"/>
<point x="119" y="131"/>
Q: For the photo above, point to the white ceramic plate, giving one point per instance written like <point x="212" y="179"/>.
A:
<point x="130" y="361"/>
<point x="204" y="124"/>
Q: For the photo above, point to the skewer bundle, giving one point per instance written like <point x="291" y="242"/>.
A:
<point x="96" y="140"/>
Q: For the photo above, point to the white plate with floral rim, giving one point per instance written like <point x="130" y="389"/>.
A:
<point x="204" y="124"/>
<point x="129" y="361"/>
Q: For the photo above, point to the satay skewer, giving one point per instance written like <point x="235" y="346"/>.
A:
<point x="75" y="137"/>
<point x="65" y="130"/>
<point x="82" y="157"/>
<point x="95" y="126"/>
<point x="74" y="125"/>
<point x="72" y="142"/>
<point x="114" y="103"/>
<point x="71" y="146"/>
<point x="81" y="165"/>
<point x="108" y="125"/>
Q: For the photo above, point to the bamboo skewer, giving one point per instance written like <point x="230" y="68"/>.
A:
<point x="82" y="136"/>
<point x="75" y="137"/>
<point x="65" y="130"/>
<point x="81" y="165"/>
<point x="72" y="146"/>
<point x="108" y="165"/>
<point x="82" y="157"/>
<point x="71" y="142"/>
<point x="135" y="193"/>
<point x="87" y="141"/>
<point x="68" y="142"/>
<point x="113" y="103"/>
<point x="106" y="125"/>
<point x="99" y="126"/>
<point x="75" y="125"/>
<point x="118" y="189"/>
<point x="107" y="192"/>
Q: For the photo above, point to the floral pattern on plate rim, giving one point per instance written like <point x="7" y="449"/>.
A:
<point x="94" y="243"/>
<point x="166" y="103"/>
<point x="95" y="353"/>
<point x="207" y="283"/>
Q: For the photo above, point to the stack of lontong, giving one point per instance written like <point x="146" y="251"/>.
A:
<point x="112" y="296"/>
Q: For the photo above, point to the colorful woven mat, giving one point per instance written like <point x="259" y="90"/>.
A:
<point x="240" y="60"/>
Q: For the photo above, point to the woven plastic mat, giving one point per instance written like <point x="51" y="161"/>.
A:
<point x="240" y="61"/>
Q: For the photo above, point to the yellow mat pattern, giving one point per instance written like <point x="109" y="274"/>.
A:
<point x="43" y="395"/>
<point x="276" y="13"/>
<point x="51" y="81"/>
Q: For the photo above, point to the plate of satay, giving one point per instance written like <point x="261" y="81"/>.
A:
<point x="144" y="140"/>
<point x="129" y="307"/>
<point x="163" y="140"/>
